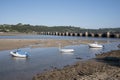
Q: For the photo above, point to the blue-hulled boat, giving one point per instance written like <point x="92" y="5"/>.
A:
<point x="19" y="53"/>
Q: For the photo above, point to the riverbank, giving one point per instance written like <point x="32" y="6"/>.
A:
<point x="8" y="44"/>
<point x="106" y="66"/>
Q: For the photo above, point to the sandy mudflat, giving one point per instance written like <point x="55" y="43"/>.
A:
<point x="7" y="44"/>
<point x="105" y="67"/>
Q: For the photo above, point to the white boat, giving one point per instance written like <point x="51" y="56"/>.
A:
<point x="95" y="45"/>
<point x="66" y="50"/>
<point x="19" y="53"/>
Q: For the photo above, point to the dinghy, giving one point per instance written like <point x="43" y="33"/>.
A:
<point x="19" y="53"/>
<point x="65" y="50"/>
<point x="95" y="45"/>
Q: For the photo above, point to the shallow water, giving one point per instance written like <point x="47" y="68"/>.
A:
<point x="56" y="37"/>
<point x="41" y="59"/>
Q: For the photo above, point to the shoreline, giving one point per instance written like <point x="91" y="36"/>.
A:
<point x="94" y="69"/>
<point x="8" y="44"/>
<point x="101" y="68"/>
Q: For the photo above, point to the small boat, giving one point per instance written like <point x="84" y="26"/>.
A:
<point x="66" y="50"/>
<point x="95" y="45"/>
<point x="19" y="53"/>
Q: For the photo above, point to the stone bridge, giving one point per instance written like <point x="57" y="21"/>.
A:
<point x="84" y="34"/>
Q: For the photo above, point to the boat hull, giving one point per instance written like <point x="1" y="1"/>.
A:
<point x="95" y="46"/>
<point x="15" y="54"/>
<point x="66" y="50"/>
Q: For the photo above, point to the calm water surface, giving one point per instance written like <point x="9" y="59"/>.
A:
<point x="40" y="59"/>
<point x="55" y="37"/>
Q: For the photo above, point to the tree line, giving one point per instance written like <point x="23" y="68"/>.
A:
<point x="27" y="28"/>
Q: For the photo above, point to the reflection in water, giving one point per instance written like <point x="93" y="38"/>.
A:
<point x="96" y="49"/>
<point x="18" y="58"/>
<point x="71" y="53"/>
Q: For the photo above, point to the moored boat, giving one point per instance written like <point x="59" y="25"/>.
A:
<point x="95" y="45"/>
<point x="19" y="53"/>
<point x="66" y="50"/>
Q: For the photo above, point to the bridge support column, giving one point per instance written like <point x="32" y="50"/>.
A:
<point x="63" y="34"/>
<point x="71" y="34"/>
<point x="99" y="35"/>
<point x="53" y="33"/>
<point x="67" y="34"/>
<point x="86" y="34"/>
<point x="80" y="34"/>
<point x="75" y="34"/>
<point x="59" y="34"/>
<point x="117" y="35"/>
<point x="108" y="34"/>
<point x="92" y="34"/>
<point x="56" y="33"/>
<point x="41" y="33"/>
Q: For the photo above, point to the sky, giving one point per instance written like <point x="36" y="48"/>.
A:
<point x="90" y="14"/>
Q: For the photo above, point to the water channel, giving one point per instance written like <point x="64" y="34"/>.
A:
<point x="41" y="59"/>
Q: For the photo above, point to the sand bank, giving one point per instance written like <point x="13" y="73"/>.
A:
<point x="7" y="44"/>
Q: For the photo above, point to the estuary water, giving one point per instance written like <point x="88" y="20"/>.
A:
<point x="41" y="59"/>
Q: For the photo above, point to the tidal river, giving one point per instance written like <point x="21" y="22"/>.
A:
<point x="41" y="59"/>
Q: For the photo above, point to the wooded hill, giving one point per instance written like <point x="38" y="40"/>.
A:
<point x="27" y="28"/>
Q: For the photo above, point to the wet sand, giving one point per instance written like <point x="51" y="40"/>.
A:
<point x="7" y="44"/>
<point x="105" y="67"/>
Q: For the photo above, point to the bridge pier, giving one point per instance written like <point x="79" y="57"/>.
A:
<point x="108" y="34"/>
<point x="59" y="34"/>
<point x="92" y="34"/>
<point x="63" y="34"/>
<point x="81" y="34"/>
<point x="71" y="34"/>
<point x="67" y="34"/>
<point x="56" y="33"/>
<point x="75" y="34"/>
<point x="99" y="35"/>
<point x="53" y="33"/>
<point x="86" y="34"/>
<point x="117" y="35"/>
